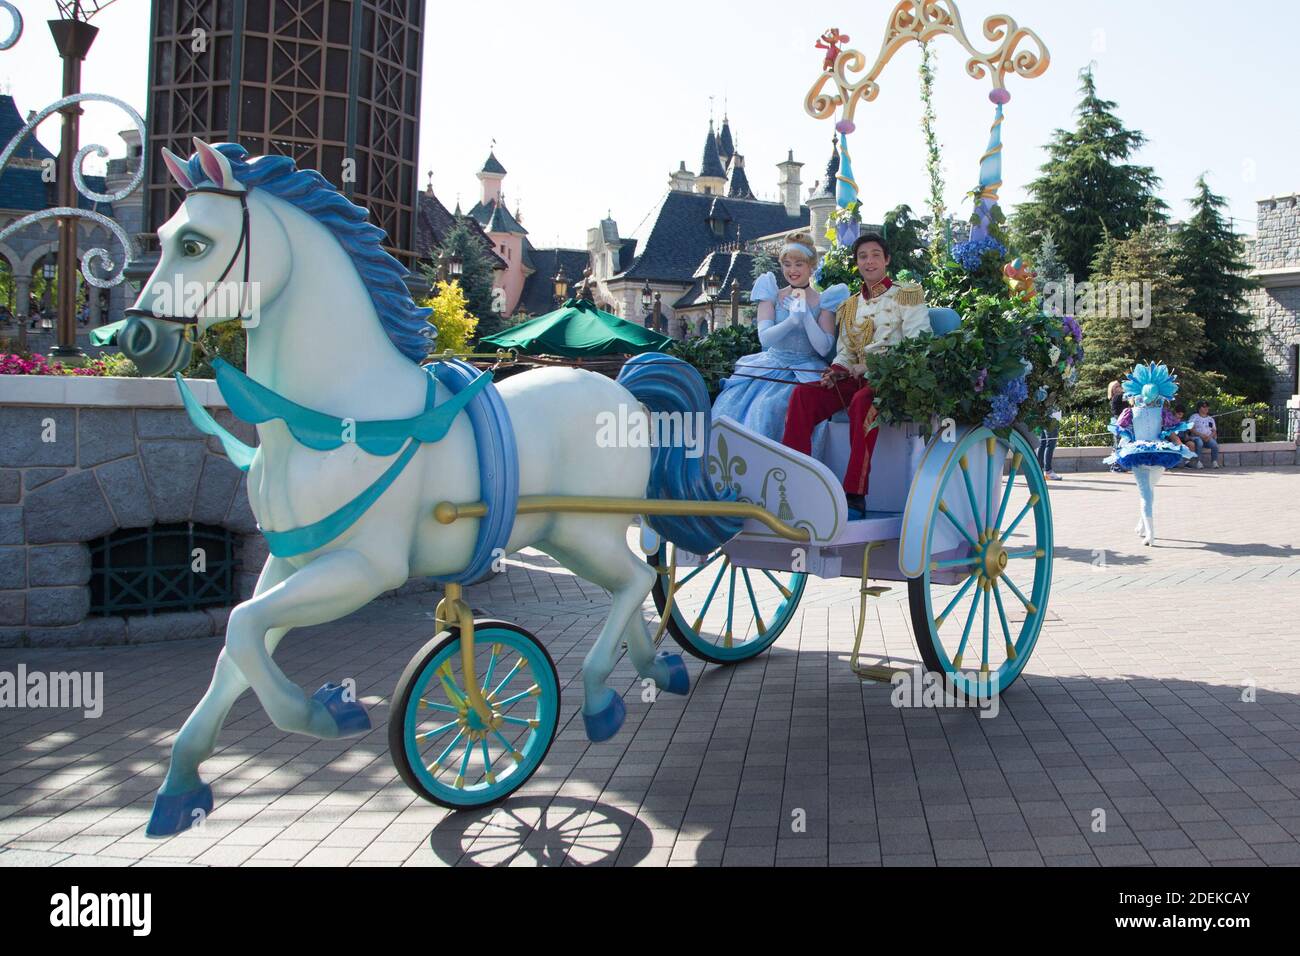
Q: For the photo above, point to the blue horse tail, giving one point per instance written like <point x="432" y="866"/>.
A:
<point x="668" y="385"/>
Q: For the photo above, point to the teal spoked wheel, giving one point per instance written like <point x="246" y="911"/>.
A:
<point x="979" y="606"/>
<point x="442" y="748"/>
<point x="721" y="613"/>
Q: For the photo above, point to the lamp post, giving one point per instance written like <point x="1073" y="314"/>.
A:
<point x="647" y="301"/>
<point x="73" y="36"/>
<point x="658" y="314"/>
<point x="735" y="302"/>
<point x="712" y="288"/>
<point x="455" y="267"/>
<point x="561" y="286"/>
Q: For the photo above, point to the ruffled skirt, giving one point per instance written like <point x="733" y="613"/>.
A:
<point x="1160" y="454"/>
<point x="750" y="397"/>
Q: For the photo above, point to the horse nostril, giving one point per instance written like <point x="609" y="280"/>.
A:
<point x="138" y="340"/>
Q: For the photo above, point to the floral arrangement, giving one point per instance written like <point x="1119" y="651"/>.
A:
<point x="837" y="265"/>
<point x="37" y="364"/>
<point x="1009" y="363"/>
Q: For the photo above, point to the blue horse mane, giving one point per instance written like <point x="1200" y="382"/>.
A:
<point x="380" y="273"/>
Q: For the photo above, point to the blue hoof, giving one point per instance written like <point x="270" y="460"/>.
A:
<point x="605" y="722"/>
<point x="349" y="715"/>
<point x="679" y="680"/>
<point x="176" y="812"/>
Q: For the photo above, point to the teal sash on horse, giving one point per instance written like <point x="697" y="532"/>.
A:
<point x="254" y="403"/>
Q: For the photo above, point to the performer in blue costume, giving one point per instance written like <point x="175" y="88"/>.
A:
<point x="1143" y="432"/>
<point x="796" y="327"/>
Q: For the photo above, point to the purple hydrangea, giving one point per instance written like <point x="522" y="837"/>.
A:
<point x="1072" y="326"/>
<point x="847" y="232"/>
<point x="970" y="255"/>
<point x="1006" y="404"/>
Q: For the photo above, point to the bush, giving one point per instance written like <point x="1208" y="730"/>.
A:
<point x="1088" y="427"/>
<point x="715" y="354"/>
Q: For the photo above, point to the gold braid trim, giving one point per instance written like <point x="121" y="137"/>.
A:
<point x="909" y="295"/>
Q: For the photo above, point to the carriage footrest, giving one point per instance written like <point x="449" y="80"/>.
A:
<point x="879" y="672"/>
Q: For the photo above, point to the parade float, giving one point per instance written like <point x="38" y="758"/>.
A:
<point x="441" y="472"/>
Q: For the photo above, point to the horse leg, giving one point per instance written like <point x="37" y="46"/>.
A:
<point x="603" y="558"/>
<point x="183" y="790"/>
<point x="333" y="585"/>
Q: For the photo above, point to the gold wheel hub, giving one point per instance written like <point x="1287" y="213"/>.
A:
<point x="995" y="559"/>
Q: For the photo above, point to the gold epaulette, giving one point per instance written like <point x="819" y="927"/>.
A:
<point x="909" y="293"/>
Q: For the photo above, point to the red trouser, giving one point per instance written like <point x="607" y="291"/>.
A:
<point x="812" y="403"/>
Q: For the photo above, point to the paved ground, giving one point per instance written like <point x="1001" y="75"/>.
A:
<point x="1163" y="701"/>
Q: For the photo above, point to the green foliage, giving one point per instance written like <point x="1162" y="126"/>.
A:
<point x="1048" y="265"/>
<point x="764" y="262"/>
<point x="837" y="266"/>
<point x="476" y="276"/>
<point x="1209" y="262"/>
<point x="1087" y="189"/>
<point x="906" y="242"/>
<point x="225" y="340"/>
<point x="1087" y="426"/>
<point x="451" y="318"/>
<point x="1171" y="334"/>
<point x="958" y="375"/>
<point x="715" y="355"/>
<point x="933" y="160"/>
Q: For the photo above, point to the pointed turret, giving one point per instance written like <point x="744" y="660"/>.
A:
<point x="713" y="177"/>
<point x="738" y="187"/>
<point x="726" y="145"/>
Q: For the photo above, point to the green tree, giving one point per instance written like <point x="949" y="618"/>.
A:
<point x="763" y="262"/>
<point x="1048" y="265"/>
<point x="1209" y="260"/>
<point x="476" y="277"/>
<point x="1086" y="187"/>
<point x="1118" y="331"/>
<point x="905" y="236"/>
<point x="933" y="160"/>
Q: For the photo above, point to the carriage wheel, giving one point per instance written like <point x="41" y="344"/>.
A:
<point x="443" y="750"/>
<point x="981" y="630"/>
<point x="721" y="613"/>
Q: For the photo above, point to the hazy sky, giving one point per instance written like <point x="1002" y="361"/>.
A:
<point x="592" y="104"/>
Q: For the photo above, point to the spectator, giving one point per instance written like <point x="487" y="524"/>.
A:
<point x="1179" y="415"/>
<point x="1115" y="395"/>
<point x="1204" y="434"/>
<point x="1047" y="444"/>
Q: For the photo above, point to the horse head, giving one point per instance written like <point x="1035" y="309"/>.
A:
<point x="207" y="272"/>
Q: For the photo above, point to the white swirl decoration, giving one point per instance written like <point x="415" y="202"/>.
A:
<point x="17" y="31"/>
<point x="115" y="271"/>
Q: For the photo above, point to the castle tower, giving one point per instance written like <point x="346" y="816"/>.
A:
<point x="738" y="187"/>
<point x="339" y="94"/>
<point x="822" y="202"/>
<point x="712" y="179"/>
<point x="726" y="145"/>
<point x="790" y="183"/>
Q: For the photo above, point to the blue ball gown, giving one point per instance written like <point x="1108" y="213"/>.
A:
<point x="749" y="396"/>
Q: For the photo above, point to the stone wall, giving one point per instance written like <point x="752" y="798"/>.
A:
<point x="1276" y="306"/>
<point x="71" y="473"/>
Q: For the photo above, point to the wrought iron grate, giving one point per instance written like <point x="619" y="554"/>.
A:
<point x="169" y="567"/>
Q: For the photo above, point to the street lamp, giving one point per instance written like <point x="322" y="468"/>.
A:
<point x="647" y="299"/>
<point x="712" y="287"/>
<point x="455" y="267"/>
<point x="659" y="314"/>
<point x="561" y="282"/>
<point x="735" y="302"/>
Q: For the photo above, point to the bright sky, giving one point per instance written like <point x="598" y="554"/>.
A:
<point x="592" y="104"/>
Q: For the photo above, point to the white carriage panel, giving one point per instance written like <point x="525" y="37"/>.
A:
<point x="799" y="490"/>
<point x="893" y="465"/>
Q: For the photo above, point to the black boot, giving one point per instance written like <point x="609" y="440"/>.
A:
<point x="857" y="507"/>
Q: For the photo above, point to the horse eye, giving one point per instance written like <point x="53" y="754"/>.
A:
<point x="193" y="247"/>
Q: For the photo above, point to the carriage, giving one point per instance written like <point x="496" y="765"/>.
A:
<point x="964" y="518"/>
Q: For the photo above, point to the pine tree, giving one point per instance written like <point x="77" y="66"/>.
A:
<point x="1048" y="265"/>
<point x="1086" y="187"/>
<point x="763" y="262"/>
<point x="1209" y="260"/>
<point x="476" y="277"/>
<point x="1115" y="340"/>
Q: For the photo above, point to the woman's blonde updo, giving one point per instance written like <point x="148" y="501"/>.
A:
<point x="799" y="244"/>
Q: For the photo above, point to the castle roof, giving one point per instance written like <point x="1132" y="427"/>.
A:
<point x="726" y="145"/>
<point x="433" y="222"/>
<point x="493" y="216"/>
<point x="493" y="166"/>
<point x="681" y="235"/>
<point x="711" y="161"/>
<point x="538" y="295"/>
<point x="738" y="187"/>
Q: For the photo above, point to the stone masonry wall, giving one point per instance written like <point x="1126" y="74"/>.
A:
<point x="1277" y="308"/>
<point x="70" y="474"/>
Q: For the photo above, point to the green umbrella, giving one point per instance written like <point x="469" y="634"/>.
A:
<point x="578" y="330"/>
<point x="106" y="334"/>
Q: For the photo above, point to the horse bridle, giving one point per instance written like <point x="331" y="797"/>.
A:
<point x="245" y="246"/>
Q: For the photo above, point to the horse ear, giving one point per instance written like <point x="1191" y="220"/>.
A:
<point x="176" y="166"/>
<point x="216" y="167"/>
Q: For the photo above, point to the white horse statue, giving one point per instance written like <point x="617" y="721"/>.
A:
<point x="1143" y="431"/>
<point x="358" y="442"/>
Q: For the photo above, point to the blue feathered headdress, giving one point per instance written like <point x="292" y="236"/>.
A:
<point x="1150" y="384"/>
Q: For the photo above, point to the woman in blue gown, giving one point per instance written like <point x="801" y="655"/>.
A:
<point x="796" y="326"/>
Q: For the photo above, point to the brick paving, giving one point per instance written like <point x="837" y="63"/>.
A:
<point x="1162" y="700"/>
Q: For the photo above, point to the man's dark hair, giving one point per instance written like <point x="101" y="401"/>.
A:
<point x="1180" y="408"/>
<point x="866" y="237"/>
<point x="1204" y="405"/>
